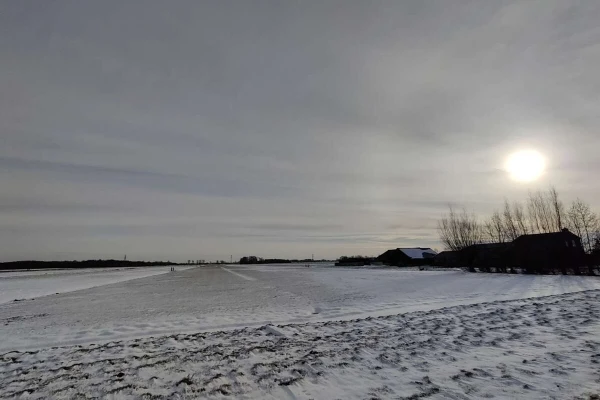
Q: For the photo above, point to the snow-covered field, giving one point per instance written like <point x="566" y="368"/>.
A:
<point x="21" y="285"/>
<point x="213" y="298"/>
<point x="295" y="332"/>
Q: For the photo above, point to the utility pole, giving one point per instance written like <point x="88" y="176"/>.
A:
<point x="231" y="259"/>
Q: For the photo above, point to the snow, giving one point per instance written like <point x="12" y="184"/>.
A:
<point x="214" y="298"/>
<point x="417" y="253"/>
<point x="547" y="347"/>
<point x="20" y="285"/>
<point x="286" y="331"/>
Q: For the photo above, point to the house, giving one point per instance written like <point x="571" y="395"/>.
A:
<point x="536" y="253"/>
<point x="545" y="252"/>
<point x="408" y="256"/>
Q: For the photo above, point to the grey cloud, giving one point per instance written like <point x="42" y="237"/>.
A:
<point x="148" y="179"/>
<point x="296" y="227"/>
<point x="30" y="207"/>
<point x="346" y="123"/>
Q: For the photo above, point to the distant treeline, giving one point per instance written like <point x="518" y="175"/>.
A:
<point x="354" y="260"/>
<point x="80" y="264"/>
<point x="259" y="260"/>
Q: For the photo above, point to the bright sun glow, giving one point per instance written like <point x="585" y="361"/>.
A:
<point x="525" y="165"/>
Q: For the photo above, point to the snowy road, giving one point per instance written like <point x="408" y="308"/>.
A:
<point x="543" y="348"/>
<point x="216" y="298"/>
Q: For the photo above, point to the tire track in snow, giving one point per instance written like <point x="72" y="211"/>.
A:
<point x="246" y="277"/>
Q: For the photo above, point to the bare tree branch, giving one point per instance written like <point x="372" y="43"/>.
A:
<point x="584" y="223"/>
<point x="558" y="209"/>
<point x="459" y="230"/>
<point x="510" y="226"/>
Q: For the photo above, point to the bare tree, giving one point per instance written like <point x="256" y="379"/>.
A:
<point x="558" y="209"/>
<point x="584" y="223"/>
<point x="459" y="230"/>
<point x="494" y="228"/>
<point x="510" y="226"/>
<point x="545" y="212"/>
<point x="540" y="213"/>
<point x="507" y="225"/>
<point x="520" y="218"/>
<point x="534" y="222"/>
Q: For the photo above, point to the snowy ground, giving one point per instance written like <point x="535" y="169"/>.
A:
<point x="295" y="332"/>
<point x="527" y="349"/>
<point x="215" y="298"/>
<point x="20" y="285"/>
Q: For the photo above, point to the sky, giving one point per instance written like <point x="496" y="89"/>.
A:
<point x="214" y="129"/>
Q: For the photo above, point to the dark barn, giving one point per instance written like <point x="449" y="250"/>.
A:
<point x="549" y="252"/>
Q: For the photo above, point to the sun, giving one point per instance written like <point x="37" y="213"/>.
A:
<point x="525" y="165"/>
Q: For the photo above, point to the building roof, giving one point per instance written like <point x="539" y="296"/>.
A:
<point x="548" y="236"/>
<point x="418" y="252"/>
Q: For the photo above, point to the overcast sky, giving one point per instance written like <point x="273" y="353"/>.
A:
<point x="204" y="129"/>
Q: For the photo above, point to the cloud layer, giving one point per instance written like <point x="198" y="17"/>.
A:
<point x="282" y="129"/>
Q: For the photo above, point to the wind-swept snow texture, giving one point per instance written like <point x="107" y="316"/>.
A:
<point x="215" y="298"/>
<point x="541" y="348"/>
<point x="22" y="285"/>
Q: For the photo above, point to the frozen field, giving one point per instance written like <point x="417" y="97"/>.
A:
<point x="213" y="298"/>
<point x="295" y="332"/>
<point x="22" y="285"/>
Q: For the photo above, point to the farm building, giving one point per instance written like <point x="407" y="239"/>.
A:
<point x="408" y="256"/>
